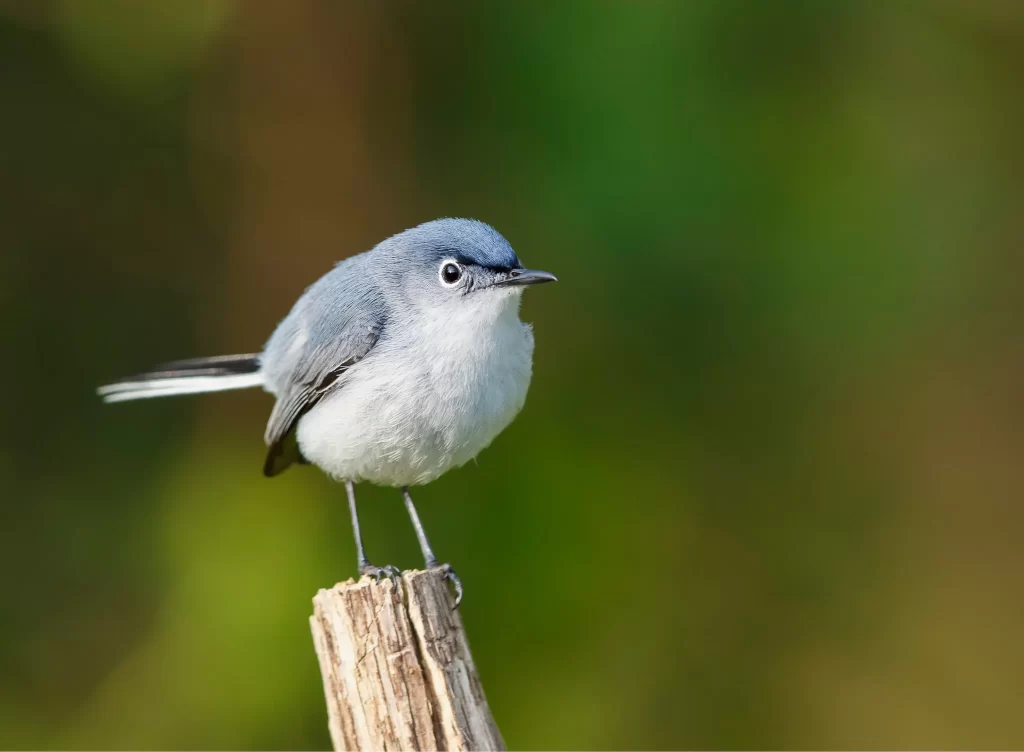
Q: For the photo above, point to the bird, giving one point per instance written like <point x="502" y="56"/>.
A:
<point x="399" y="364"/>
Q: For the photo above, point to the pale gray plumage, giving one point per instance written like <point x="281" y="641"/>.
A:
<point x="331" y="328"/>
<point x="395" y="366"/>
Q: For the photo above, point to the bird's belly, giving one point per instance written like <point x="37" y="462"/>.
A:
<point x="396" y="425"/>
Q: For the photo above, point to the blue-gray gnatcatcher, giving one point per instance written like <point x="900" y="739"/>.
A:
<point x="397" y="365"/>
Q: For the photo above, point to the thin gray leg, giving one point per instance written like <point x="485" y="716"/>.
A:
<point x="350" y="489"/>
<point x="428" y="553"/>
<point x="365" y="567"/>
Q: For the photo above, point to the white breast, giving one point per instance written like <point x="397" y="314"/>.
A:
<point x="426" y="401"/>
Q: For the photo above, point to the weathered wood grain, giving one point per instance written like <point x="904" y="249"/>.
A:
<point x="397" y="670"/>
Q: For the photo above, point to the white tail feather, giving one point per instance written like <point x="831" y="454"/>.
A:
<point x="133" y="390"/>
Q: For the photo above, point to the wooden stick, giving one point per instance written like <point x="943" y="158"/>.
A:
<point x="397" y="670"/>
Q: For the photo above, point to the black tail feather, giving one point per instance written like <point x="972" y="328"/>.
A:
<point x="218" y="365"/>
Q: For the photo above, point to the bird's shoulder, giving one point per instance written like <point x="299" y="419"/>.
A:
<point x="337" y="320"/>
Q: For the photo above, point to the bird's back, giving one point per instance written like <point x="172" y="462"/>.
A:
<point x="343" y="312"/>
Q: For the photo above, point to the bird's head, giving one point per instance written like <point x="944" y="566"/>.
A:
<point x="460" y="264"/>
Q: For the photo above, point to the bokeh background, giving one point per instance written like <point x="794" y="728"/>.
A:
<point x="767" y="487"/>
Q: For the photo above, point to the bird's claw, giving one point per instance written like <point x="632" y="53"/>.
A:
<point x="390" y="571"/>
<point x="449" y="574"/>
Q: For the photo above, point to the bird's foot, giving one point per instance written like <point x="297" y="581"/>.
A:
<point x="390" y="571"/>
<point x="449" y="574"/>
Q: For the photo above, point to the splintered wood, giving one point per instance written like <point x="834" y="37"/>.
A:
<point x="397" y="670"/>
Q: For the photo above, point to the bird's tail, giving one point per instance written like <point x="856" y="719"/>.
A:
<point x="188" y="377"/>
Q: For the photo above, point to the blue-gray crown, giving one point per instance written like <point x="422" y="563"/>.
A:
<point x="469" y="241"/>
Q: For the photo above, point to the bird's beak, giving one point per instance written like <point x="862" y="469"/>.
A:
<point x="518" y="277"/>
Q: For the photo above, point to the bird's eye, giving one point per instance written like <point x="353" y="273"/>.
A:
<point x="451" y="273"/>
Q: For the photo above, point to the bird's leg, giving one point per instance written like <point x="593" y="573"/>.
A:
<point x="428" y="553"/>
<point x="365" y="567"/>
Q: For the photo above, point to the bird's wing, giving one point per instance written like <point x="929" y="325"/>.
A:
<point x="307" y="354"/>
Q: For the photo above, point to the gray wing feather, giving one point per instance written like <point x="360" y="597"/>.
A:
<point x="332" y="327"/>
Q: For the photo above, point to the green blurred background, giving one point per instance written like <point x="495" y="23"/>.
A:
<point x="766" y="490"/>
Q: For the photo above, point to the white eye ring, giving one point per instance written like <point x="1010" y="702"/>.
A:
<point x="444" y="273"/>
